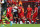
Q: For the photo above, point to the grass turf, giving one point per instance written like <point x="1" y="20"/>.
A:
<point x="22" y="25"/>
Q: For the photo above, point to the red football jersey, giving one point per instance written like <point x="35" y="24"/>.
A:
<point x="9" y="9"/>
<point x="21" y="14"/>
<point x="29" y="10"/>
<point x="36" y="9"/>
<point x="20" y="8"/>
<point x="36" y="13"/>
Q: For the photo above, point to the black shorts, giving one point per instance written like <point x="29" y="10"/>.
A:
<point x="15" y="14"/>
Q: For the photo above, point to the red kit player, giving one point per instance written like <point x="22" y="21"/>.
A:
<point x="29" y="10"/>
<point x="35" y="14"/>
<point x="21" y="13"/>
<point x="9" y="10"/>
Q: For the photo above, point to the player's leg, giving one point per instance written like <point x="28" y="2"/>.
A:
<point x="19" y="18"/>
<point x="27" y="17"/>
<point x="30" y="18"/>
<point x="14" y="20"/>
<point x="11" y="18"/>
<point x="7" y="15"/>
<point x="34" y="18"/>
<point x="22" y="18"/>
<point x="16" y="16"/>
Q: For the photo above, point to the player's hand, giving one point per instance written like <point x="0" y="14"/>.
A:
<point x="37" y="19"/>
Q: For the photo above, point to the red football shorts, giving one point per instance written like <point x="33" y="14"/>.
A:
<point x="21" y="15"/>
<point x="28" y="15"/>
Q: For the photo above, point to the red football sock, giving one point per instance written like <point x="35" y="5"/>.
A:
<point x="29" y="20"/>
<point x="34" y="21"/>
<point x="16" y="21"/>
<point x="23" y="20"/>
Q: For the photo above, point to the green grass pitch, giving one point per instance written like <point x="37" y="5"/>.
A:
<point x="22" y="25"/>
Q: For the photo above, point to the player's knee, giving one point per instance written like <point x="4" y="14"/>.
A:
<point x="17" y="19"/>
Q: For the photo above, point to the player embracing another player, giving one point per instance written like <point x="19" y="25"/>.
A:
<point x="21" y="13"/>
<point x="34" y="17"/>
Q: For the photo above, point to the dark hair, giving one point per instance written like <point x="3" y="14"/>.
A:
<point x="9" y="5"/>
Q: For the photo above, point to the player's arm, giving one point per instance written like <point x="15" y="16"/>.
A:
<point x="37" y="18"/>
<point x="37" y="9"/>
<point x="25" y="11"/>
<point x="32" y="12"/>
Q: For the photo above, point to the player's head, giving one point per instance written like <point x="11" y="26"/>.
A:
<point x="29" y="5"/>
